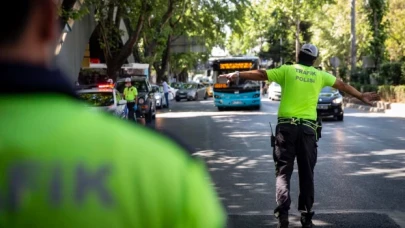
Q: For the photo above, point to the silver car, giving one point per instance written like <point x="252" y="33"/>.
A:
<point x="104" y="99"/>
<point x="191" y="91"/>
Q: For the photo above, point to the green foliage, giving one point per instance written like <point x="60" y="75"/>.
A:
<point x="364" y="87"/>
<point x="375" y="11"/>
<point x="73" y="14"/>
<point x="392" y="93"/>
<point x="395" y="42"/>
<point x="391" y="74"/>
<point x="361" y="76"/>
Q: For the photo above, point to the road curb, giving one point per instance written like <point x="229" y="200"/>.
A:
<point x="364" y="108"/>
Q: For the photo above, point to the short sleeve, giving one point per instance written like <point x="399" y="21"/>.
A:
<point x="328" y="79"/>
<point x="277" y="74"/>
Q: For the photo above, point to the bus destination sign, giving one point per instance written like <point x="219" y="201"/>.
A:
<point x="220" y="86"/>
<point x="235" y="65"/>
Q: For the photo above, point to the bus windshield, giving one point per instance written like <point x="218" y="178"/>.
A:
<point x="243" y="83"/>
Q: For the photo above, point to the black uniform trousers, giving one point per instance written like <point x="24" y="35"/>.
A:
<point x="294" y="140"/>
<point x="131" y="111"/>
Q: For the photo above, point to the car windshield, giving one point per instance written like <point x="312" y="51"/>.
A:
<point x="139" y="85"/>
<point x="98" y="99"/>
<point x="243" y="83"/>
<point x="329" y="90"/>
<point x="189" y="86"/>
<point x="176" y="85"/>
<point x="157" y="89"/>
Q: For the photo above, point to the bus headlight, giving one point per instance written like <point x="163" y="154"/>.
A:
<point x="217" y="96"/>
<point x="256" y="95"/>
<point x="141" y="101"/>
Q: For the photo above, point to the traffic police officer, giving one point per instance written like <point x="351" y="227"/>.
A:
<point x="296" y="134"/>
<point x="130" y="94"/>
<point x="72" y="167"/>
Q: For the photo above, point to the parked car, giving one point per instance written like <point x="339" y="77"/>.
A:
<point x="146" y="98"/>
<point x="330" y="103"/>
<point x="274" y="91"/>
<point x="159" y="96"/>
<point x="210" y="90"/>
<point x="103" y="98"/>
<point x="191" y="91"/>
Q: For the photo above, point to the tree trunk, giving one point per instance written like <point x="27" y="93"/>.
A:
<point x="297" y="39"/>
<point x="117" y="60"/>
<point x="165" y="60"/>
<point x="353" y="51"/>
<point x="377" y="47"/>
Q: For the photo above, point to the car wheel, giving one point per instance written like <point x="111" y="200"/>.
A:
<point x="178" y="100"/>
<point x="206" y="96"/>
<point x="196" y="97"/>
<point x="221" y="108"/>
<point x="340" y="117"/>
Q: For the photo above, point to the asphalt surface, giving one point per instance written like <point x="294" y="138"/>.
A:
<point x="360" y="173"/>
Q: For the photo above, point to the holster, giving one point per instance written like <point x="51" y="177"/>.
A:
<point x="273" y="140"/>
<point x="319" y="128"/>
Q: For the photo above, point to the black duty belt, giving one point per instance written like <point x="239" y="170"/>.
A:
<point x="315" y="125"/>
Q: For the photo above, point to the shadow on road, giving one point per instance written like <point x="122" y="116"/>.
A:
<point x="343" y="220"/>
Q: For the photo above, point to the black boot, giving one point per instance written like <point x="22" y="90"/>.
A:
<point x="306" y="219"/>
<point x="283" y="221"/>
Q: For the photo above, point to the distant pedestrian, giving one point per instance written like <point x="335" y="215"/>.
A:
<point x="166" y="91"/>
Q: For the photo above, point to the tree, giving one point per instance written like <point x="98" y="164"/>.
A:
<point x="395" y="42"/>
<point x="109" y="15"/>
<point x="332" y="34"/>
<point x="298" y="11"/>
<point x="376" y="10"/>
<point x="203" y="21"/>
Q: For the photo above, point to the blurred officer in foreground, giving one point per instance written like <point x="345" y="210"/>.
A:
<point x="64" y="166"/>
<point x="296" y="131"/>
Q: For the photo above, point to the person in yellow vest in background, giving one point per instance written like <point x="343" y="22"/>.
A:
<point x="130" y="95"/>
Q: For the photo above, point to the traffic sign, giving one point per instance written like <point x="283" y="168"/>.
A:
<point x="335" y="62"/>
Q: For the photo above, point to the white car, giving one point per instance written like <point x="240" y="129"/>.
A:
<point x="103" y="98"/>
<point x="274" y="91"/>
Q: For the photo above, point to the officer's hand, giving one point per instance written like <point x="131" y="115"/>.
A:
<point x="230" y="76"/>
<point x="368" y="98"/>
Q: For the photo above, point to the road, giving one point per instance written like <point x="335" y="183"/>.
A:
<point x="360" y="173"/>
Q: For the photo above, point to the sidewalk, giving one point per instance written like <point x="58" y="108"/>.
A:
<point x="391" y="109"/>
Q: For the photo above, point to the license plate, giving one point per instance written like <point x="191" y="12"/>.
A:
<point x="236" y="102"/>
<point x="323" y="106"/>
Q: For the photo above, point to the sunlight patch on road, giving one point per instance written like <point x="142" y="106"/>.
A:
<point x="389" y="173"/>
<point x="388" y="152"/>
<point x="247" y="134"/>
<point x="199" y="114"/>
<point x="370" y="114"/>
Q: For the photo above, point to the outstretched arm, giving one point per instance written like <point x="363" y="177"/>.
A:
<point x="364" y="97"/>
<point x="254" y="75"/>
